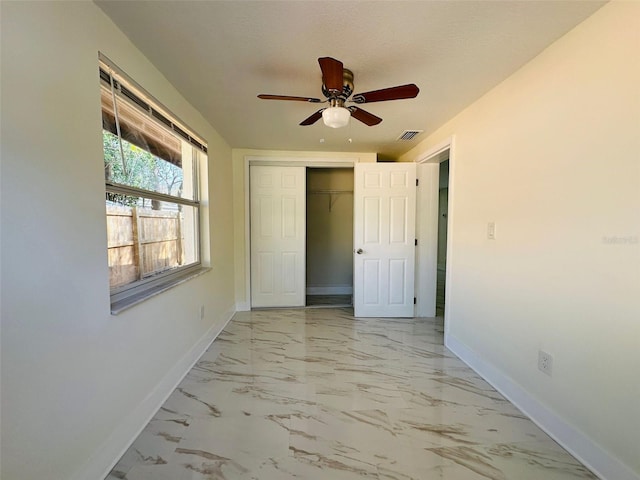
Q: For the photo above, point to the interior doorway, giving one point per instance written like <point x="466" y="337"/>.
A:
<point x="436" y="198"/>
<point x="329" y="237"/>
<point x="443" y="214"/>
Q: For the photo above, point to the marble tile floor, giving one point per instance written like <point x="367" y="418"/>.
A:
<point x="316" y="394"/>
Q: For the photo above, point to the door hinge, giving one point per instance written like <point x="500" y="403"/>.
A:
<point x="416" y="242"/>
<point x="417" y="181"/>
<point x="415" y="300"/>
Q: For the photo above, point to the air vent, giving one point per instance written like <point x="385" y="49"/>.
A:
<point x="409" y="135"/>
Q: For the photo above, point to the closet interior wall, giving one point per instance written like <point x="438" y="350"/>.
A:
<point x="329" y="269"/>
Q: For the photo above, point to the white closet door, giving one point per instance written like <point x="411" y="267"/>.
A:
<point x="277" y="236"/>
<point x="384" y="239"/>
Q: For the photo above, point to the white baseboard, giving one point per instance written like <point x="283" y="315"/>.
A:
<point x="330" y="290"/>
<point x="104" y="459"/>
<point x="243" y="307"/>
<point x="594" y="457"/>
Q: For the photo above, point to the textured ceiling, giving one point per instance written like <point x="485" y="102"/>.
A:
<point x="221" y="54"/>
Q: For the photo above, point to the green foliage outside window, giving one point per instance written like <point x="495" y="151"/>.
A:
<point x="140" y="169"/>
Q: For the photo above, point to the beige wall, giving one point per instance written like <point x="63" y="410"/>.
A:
<point x="330" y="228"/>
<point x="240" y="194"/>
<point x="552" y="155"/>
<point x="77" y="382"/>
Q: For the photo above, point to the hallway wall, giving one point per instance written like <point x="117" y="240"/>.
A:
<point x="551" y="156"/>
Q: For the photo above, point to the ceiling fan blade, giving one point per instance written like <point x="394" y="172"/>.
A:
<point x="365" y="117"/>
<point x="332" y="71"/>
<point x="286" y="97"/>
<point x="391" y="93"/>
<point x="313" y="118"/>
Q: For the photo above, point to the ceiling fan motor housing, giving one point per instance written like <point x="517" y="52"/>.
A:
<point x="347" y="87"/>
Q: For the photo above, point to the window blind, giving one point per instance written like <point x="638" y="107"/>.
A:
<point x="141" y="123"/>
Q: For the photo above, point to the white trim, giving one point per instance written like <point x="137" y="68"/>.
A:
<point x="302" y="161"/>
<point x="330" y="290"/>
<point x="433" y="154"/>
<point x="427" y="235"/>
<point x="247" y="234"/>
<point x="243" y="306"/>
<point x="105" y="458"/>
<point x="451" y="200"/>
<point x="592" y="455"/>
<point x="137" y="294"/>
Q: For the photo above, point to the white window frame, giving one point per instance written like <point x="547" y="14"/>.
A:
<point x="126" y="296"/>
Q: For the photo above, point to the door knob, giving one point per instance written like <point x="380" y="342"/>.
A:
<point x="359" y="251"/>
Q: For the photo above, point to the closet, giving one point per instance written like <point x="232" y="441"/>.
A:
<point x="301" y="236"/>
<point x="329" y="236"/>
<point x="306" y="221"/>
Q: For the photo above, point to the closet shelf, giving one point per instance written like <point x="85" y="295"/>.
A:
<point x="331" y="194"/>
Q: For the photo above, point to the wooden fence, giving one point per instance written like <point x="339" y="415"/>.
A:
<point x="142" y="242"/>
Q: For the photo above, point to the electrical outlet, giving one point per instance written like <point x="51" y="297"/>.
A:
<point x="545" y="362"/>
<point x="201" y="312"/>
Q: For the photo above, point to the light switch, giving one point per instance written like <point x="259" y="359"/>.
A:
<point x="491" y="230"/>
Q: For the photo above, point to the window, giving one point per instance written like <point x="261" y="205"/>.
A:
<point x="152" y="191"/>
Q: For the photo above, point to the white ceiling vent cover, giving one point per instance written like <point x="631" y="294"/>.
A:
<point x="409" y="135"/>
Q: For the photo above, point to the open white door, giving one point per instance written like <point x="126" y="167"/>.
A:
<point x="277" y="236"/>
<point x="384" y="239"/>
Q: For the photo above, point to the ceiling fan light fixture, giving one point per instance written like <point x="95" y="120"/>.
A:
<point x="336" y="117"/>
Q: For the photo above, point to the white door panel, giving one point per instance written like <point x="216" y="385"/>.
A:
<point x="277" y="208"/>
<point x="384" y="233"/>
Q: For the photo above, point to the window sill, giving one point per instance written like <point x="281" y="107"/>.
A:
<point x="120" y="306"/>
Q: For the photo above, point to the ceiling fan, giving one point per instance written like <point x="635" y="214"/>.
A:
<point x="337" y="87"/>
